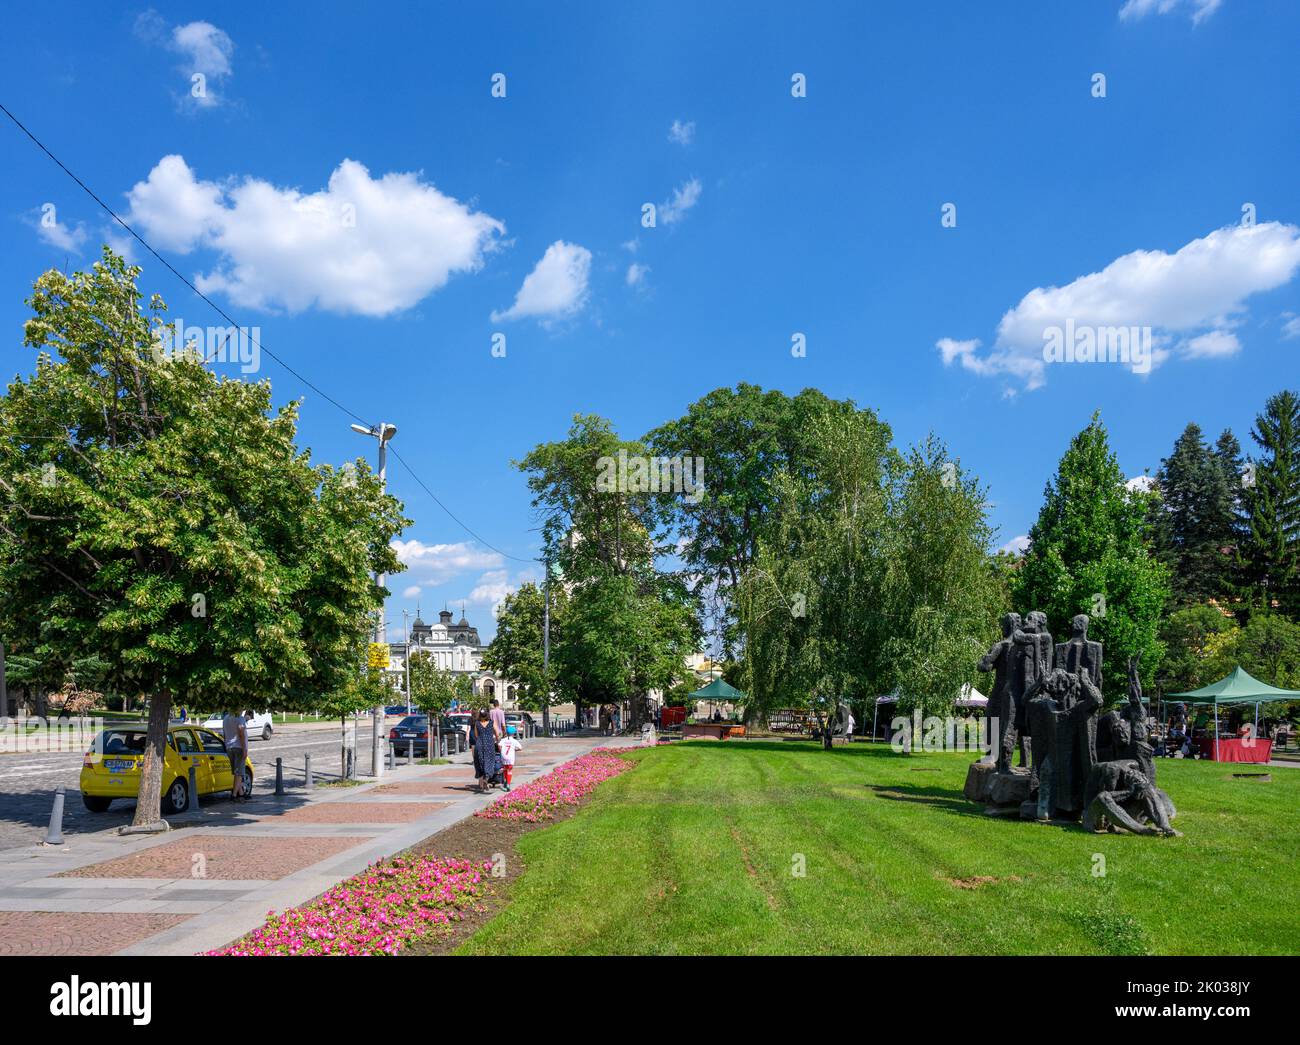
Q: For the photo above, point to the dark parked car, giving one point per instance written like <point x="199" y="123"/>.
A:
<point x="411" y="733"/>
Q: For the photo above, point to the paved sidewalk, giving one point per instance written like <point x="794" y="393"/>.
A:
<point x="217" y="874"/>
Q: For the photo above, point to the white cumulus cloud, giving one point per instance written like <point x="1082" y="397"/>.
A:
<point x="636" y="274"/>
<point x="556" y="288"/>
<point x="684" y="197"/>
<point x="1133" y="10"/>
<point x="1191" y="300"/>
<point x="361" y="245"/>
<point x="205" y="53"/>
<point x="1213" y="344"/>
<point x="494" y="585"/>
<point x="682" y="133"/>
<point x="56" y="233"/>
<point x="434" y="564"/>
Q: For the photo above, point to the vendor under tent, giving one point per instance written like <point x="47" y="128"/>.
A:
<point x="716" y="692"/>
<point x="1238" y="687"/>
<point x="967" y="697"/>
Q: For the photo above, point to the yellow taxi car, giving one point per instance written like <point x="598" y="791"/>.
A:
<point x="111" y="768"/>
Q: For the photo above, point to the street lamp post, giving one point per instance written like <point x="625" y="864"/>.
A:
<point x="546" y="652"/>
<point x="382" y="432"/>
<point x="407" y="659"/>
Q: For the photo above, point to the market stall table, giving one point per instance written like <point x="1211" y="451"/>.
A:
<point x="1238" y="687"/>
<point x="1247" y="749"/>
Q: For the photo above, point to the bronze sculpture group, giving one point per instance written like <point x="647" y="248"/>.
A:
<point x="1075" y="763"/>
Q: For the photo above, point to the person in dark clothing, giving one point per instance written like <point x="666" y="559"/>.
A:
<point x="487" y="760"/>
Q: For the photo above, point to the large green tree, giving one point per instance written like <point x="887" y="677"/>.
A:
<point x="874" y="576"/>
<point x="163" y="519"/>
<point x="1268" y="646"/>
<point x="941" y="595"/>
<point x="1187" y="635"/>
<point x="1088" y="554"/>
<point x="1272" y="498"/>
<point x="517" y="651"/>
<point x="628" y="625"/>
<point x="1195" y="518"/>
<point x="747" y="437"/>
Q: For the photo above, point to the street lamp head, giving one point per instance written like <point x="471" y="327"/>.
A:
<point x="386" y="432"/>
<point x="362" y="430"/>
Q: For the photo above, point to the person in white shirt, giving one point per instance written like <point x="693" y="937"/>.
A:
<point x="508" y="747"/>
<point x="234" y="731"/>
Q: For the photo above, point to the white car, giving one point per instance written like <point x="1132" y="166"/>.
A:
<point x="258" y="724"/>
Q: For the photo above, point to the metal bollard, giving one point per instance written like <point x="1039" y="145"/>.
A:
<point x="311" y="782"/>
<point x="392" y="756"/>
<point x="192" y="806"/>
<point x="279" y="775"/>
<point x="54" y="836"/>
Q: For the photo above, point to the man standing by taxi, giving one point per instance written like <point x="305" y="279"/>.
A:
<point x="234" y="730"/>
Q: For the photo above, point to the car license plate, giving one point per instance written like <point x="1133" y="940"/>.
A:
<point x="119" y="765"/>
<point x="410" y="734"/>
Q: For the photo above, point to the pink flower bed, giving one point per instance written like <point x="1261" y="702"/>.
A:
<point x="566" y="785"/>
<point x="379" y="911"/>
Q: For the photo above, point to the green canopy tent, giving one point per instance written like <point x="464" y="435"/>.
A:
<point x="1238" y="687"/>
<point x="719" y="692"/>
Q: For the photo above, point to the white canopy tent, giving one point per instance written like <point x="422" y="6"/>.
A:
<point x="967" y="697"/>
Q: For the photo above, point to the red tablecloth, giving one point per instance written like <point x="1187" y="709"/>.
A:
<point x="1235" y="750"/>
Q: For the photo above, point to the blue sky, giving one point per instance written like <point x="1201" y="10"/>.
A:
<point x="347" y="183"/>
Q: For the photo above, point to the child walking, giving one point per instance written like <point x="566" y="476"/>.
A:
<point x="508" y="746"/>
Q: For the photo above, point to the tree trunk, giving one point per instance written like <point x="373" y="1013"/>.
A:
<point x="148" y="806"/>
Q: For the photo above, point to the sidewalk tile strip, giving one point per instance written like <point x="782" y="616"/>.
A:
<point x="425" y="787"/>
<point x="45" y="933"/>
<point x="219" y="856"/>
<point x="360" y="812"/>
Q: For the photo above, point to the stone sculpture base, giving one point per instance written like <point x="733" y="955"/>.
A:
<point x="1002" y="793"/>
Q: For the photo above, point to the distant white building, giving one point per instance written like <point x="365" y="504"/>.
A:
<point x="454" y="647"/>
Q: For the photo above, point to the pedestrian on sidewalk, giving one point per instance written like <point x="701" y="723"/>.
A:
<point x="509" y="747"/>
<point x="498" y="720"/>
<point x="234" y="730"/>
<point x="487" y="761"/>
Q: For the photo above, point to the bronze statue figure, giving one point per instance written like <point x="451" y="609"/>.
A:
<point x="1086" y="766"/>
<point x="1001" y="660"/>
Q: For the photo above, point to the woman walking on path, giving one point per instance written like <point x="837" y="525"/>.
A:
<point x="487" y="760"/>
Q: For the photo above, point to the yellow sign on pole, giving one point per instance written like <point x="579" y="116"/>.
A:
<point x="378" y="655"/>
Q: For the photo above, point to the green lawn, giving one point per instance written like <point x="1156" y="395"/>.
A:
<point x="693" y="852"/>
